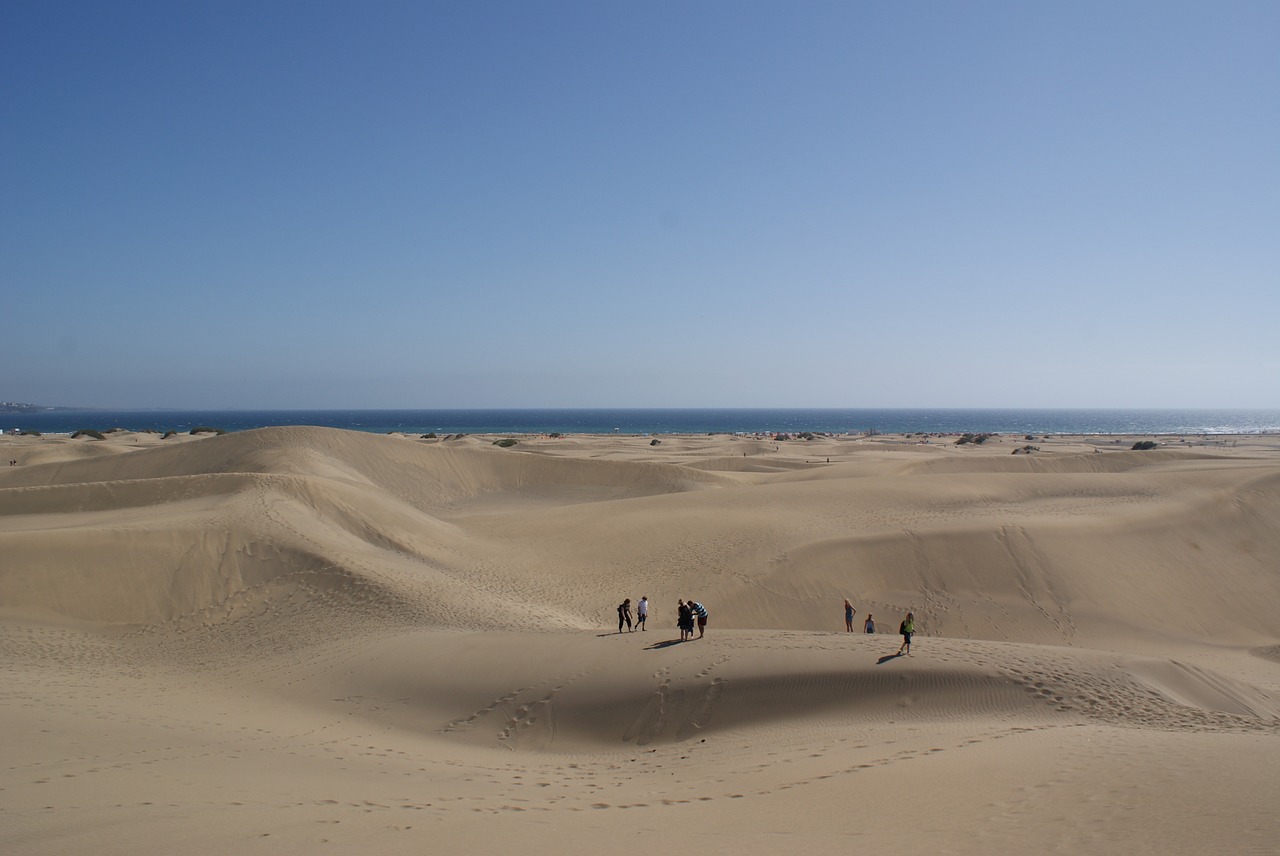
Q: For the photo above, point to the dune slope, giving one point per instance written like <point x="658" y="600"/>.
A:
<point x="296" y="640"/>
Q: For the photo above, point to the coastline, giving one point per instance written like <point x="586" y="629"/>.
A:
<point x="659" y="422"/>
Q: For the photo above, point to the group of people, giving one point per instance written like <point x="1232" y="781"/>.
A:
<point x="689" y="614"/>
<point x="686" y="614"/>
<point x="907" y="628"/>
<point x="868" y="626"/>
<point x="642" y="614"/>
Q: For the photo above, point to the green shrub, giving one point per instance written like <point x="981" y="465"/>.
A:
<point x="88" y="432"/>
<point x="29" y="433"/>
<point x="1144" y="445"/>
<point x="431" y="436"/>
<point x="169" y="434"/>
<point x="977" y="439"/>
<point x="505" y="442"/>
<point x="205" y="429"/>
<point x="654" y="442"/>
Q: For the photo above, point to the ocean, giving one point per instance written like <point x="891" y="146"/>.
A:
<point x="666" y="421"/>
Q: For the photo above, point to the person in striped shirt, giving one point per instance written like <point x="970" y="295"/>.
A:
<point x="700" y="612"/>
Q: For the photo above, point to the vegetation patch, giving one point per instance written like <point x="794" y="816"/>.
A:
<point x="505" y="442"/>
<point x="1144" y="445"/>
<point x="976" y="439"/>
<point x="205" y="429"/>
<point x="88" y="432"/>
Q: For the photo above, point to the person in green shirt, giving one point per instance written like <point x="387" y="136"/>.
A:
<point x="907" y="629"/>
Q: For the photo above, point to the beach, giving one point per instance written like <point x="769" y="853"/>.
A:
<point x="302" y="640"/>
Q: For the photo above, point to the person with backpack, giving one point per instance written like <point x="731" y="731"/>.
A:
<point x="701" y="612"/>
<point x="624" y="615"/>
<point x="907" y="629"/>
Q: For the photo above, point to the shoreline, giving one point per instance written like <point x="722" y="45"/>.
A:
<point x="682" y="421"/>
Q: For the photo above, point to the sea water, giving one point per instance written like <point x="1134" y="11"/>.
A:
<point x="667" y="421"/>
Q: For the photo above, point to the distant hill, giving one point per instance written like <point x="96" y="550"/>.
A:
<point x="20" y="407"/>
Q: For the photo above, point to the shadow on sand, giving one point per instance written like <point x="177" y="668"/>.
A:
<point x="656" y="646"/>
<point x="887" y="657"/>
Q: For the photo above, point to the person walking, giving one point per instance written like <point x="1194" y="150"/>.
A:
<point x="642" y="611"/>
<point x="870" y="626"/>
<point x="701" y="612"/>
<point x="907" y="629"/>
<point x="624" y="615"/>
<point x="848" y="616"/>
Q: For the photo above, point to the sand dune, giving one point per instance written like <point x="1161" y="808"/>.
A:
<point x="298" y="639"/>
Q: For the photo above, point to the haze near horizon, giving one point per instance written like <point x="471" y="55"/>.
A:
<point x="583" y="205"/>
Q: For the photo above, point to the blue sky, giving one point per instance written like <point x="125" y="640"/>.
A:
<point x="658" y="204"/>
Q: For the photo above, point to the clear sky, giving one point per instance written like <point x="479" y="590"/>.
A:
<point x="713" y="203"/>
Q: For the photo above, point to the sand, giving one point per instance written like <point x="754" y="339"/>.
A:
<point x="305" y="640"/>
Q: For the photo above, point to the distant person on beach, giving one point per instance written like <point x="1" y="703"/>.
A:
<point x="642" y="611"/>
<point x="684" y="620"/>
<point x="848" y="616"/>
<point x="870" y="626"/>
<point x="700" y="612"/>
<point x="624" y="615"/>
<point x="907" y="629"/>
